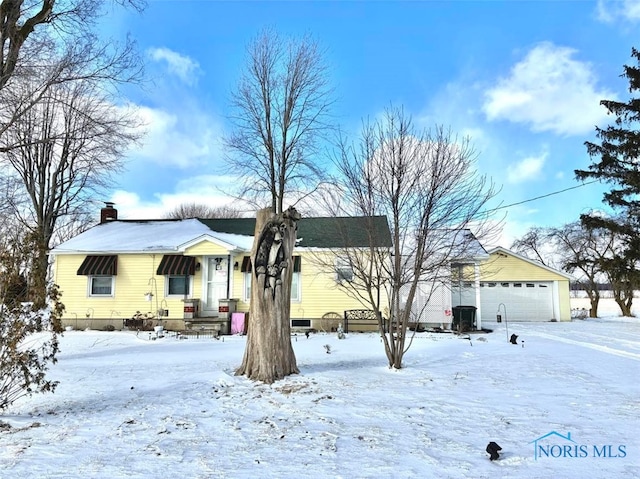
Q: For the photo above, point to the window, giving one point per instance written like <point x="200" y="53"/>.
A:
<point x="504" y="285"/>
<point x="295" y="278"/>
<point x="178" y="285"/>
<point x="344" y="271"/>
<point x="517" y="285"/>
<point x="301" y="323"/>
<point x="295" y="287"/>
<point x="531" y="285"/>
<point x="100" y="285"/>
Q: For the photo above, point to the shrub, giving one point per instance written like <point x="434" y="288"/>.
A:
<point x="28" y="345"/>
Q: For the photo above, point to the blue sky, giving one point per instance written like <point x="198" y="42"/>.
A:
<point x="522" y="79"/>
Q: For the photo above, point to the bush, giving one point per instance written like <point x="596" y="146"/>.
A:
<point x="28" y="345"/>
<point x="109" y="327"/>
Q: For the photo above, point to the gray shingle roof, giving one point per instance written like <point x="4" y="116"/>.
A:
<point x="319" y="232"/>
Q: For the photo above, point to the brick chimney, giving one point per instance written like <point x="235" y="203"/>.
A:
<point x="108" y="213"/>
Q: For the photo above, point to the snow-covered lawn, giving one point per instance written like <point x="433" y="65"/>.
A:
<point x="132" y="408"/>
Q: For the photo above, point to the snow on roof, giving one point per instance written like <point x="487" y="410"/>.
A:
<point x="138" y="236"/>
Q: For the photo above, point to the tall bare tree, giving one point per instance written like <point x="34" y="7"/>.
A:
<point x="280" y="114"/>
<point x="64" y="150"/>
<point x="426" y="185"/>
<point x="196" y="210"/>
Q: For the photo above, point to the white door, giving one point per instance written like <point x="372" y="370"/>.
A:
<point x="216" y="284"/>
<point x="524" y="301"/>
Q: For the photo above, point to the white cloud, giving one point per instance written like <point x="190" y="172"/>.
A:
<point x="182" y="66"/>
<point x="203" y="189"/>
<point x="526" y="169"/>
<point x="186" y="139"/>
<point x="608" y="11"/>
<point x="550" y="91"/>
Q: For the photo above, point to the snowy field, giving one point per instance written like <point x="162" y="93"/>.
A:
<point x="132" y="408"/>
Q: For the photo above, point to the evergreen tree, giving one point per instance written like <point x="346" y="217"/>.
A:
<point x="615" y="161"/>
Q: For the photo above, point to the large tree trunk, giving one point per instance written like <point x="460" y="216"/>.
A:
<point x="269" y="354"/>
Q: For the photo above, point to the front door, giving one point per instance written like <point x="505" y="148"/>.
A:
<point x="217" y="280"/>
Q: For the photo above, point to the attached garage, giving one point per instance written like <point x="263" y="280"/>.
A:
<point x="521" y="288"/>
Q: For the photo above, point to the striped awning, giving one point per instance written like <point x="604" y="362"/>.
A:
<point x="246" y="264"/>
<point x="176" y="264"/>
<point x="99" y="265"/>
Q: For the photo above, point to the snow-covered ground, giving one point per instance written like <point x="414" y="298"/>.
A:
<point x="132" y="408"/>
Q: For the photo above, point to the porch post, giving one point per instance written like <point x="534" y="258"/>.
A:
<point x="476" y="272"/>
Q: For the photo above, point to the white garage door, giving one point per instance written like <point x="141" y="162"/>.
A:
<point x="523" y="301"/>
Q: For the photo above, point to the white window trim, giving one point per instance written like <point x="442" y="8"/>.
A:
<point x="342" y="265"/>
<point x="90" y="284"/>
<point x="298" y="289"/>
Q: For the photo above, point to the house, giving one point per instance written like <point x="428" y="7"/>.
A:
<point x="434" y="302"/>
<point x="516" y="287"/>
<point x="189" y="271"/>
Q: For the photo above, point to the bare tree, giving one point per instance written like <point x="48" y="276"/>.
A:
<point x="71" y="143"/>
<point x="579" y="251"/>
<point x="280" y="113"/>
<point x="52" y="41"/>
<point x="425" y="183"/>
<point x="532" y="245"/>
<point x="195" y="210"/>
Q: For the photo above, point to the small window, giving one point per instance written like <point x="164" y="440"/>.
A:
<point x="542" y="286"/>
<point x="517" y="285"/>
<point x="504" y="285"/>
<point x="344" y="271"/>
<point x="531" y="285"/>
<point x="468" y="284"/>
<point x="493" y="285"/>
<point x="247" y="286"/>
<point x="101" y="286"/>
<point x="178" y="285"/>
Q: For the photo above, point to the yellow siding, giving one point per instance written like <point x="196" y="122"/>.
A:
<point x="505" y="267"/>
<point x="319" y="294"/>
<point x="206" y="248"/>
<point x="136" y="276"/>
<point x="319" y="291"/>
<point x="511" y="268"/>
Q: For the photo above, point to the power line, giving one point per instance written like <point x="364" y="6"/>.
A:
<point x="542" y="196"/>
